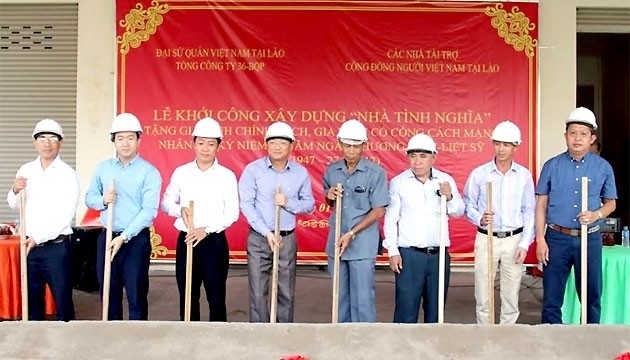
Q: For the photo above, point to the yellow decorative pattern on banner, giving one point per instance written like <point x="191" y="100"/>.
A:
<point x="313" y="223"/>
<point x="140" y="24"/>
<point x="157" y="250"/>
<point x="514" y="27"/>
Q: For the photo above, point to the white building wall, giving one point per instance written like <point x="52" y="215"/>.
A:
<point x="96" y="87"/>
<point x="557" y="74"/>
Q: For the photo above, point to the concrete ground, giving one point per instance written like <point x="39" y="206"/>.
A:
<point x="167" y="340"/>
<point x="313" y="298"/>
<point x="311" y="337"/>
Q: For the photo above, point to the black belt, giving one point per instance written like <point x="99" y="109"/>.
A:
<point x="58" y="240"/>
<point x="117" y="233"/>
<point x="501" y="234"/>
<point x="282" y="232"/>
<point x="427" y="250"/>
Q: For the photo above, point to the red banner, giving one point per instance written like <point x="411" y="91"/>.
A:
<point x="452" y="70"/>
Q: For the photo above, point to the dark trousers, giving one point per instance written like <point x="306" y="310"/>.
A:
<point x="129" y="270"/>
<point x="564" y="252"/>
<point x="418" y="281"/>
<point x="50" y="264"/>
<point x="210" y="267"/>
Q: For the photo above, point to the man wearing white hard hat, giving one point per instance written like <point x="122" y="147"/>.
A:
<point x="213" y="189"/>
<point x="364" y="192"/>
<point x="258" y="192"/>
<point x="559" y="217"/>
<point x="52" y="194"/>
<point x="135" y="200"/>
<point x="412" y="231"/>
<point x="512" y="219"/>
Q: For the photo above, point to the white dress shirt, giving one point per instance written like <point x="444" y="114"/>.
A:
<point x="513" y="199"/>
<point x="413" y="215"/>
<point x="52" y="196"/>
<point x="214" y="192"/>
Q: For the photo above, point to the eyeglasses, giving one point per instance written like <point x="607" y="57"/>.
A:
<point x="45" y="139"/>
<point x="278" y="142"/>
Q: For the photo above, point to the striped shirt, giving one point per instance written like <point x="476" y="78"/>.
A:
<point x="513" y="200"/>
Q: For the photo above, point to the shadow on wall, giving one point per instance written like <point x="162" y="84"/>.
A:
<point x="613" y="50"/>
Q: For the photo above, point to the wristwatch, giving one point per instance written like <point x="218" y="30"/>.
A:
<point x="208" y="231"/>
<point x="125" y="238"/>
<point x="352" y="234"/>
<point x="599" y="215"/>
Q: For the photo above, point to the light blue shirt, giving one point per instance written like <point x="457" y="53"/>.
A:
<point x="561" y="180"/>
<point x="363" y="190"/>
<point x="513" y="199"/>
<point x="137" y="187"/>
<point x="257" y="189"/>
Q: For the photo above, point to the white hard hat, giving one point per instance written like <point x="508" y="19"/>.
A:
<point x="48" y="126"/>
<point x="420" y="143"/>
<point x="208" y="128"/>
<point x="352" y="132"/>
<point x="582" y="115"/>
<point x="279" y="130"/>
<point x="126" y="122"/>
<point x="507" y="132"/>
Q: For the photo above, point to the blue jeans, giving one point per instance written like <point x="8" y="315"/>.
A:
<point x="564" y="252"/>
<point x="356" y="290"/>
<point x="418" y="281"/>
<point x="130" y="270"/>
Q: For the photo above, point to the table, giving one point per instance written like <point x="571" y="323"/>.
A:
<point x="615" y="291"/>
<point x="10" y="291"/>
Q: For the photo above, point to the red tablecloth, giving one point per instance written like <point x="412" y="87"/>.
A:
<point x="10" y="293"/>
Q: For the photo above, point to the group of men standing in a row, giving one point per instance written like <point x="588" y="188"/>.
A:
<point x="519" y="214"/>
